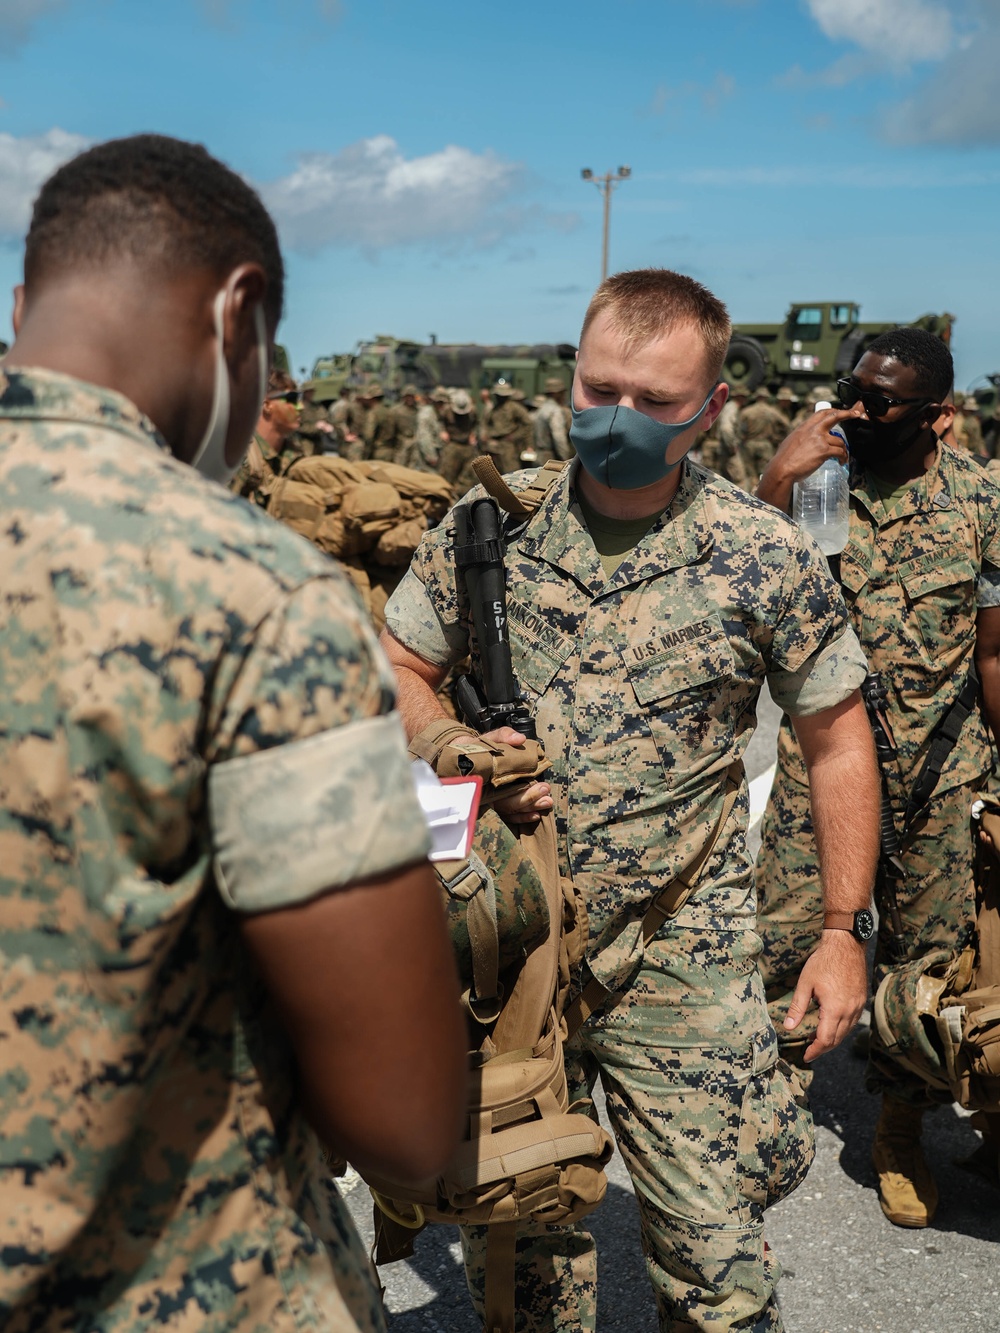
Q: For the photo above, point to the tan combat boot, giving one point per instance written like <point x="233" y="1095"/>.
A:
<point x="906" y="1188"/>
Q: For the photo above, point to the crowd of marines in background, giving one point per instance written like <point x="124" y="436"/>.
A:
<point x="444" y="429"/>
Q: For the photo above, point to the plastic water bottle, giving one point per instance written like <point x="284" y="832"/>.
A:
<point x="821" y="501"/>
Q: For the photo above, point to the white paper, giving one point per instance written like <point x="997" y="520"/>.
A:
<point x="448" y="810"/>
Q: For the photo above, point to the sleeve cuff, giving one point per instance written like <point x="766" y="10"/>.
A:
<point x="823" y="680"/>
<point x="291" y="822"/>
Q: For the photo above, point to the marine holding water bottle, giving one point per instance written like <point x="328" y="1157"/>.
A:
<point x="920" y="573"/>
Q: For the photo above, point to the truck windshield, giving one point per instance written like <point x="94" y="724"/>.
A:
<point x="806" y="323"/>
<point x="841" y="316"/>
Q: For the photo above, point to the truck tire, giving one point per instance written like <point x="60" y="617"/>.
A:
<point x="746" y="361"/>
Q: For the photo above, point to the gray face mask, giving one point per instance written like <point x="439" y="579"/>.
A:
<point x="625" y="449"/>
<point x="210" y="456"/>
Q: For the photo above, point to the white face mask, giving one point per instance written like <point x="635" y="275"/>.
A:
<point x="210" y="456"/>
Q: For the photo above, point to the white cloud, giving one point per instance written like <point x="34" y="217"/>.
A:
<point x="17" y="17"/>
<point x="24" y="165"/>
<point x="369" y="195"/>
<point x="896" y="31"/>
<point x="958" y="104"/>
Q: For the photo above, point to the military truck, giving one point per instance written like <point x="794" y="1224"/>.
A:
<point x="819" y="342"/>
<point x="473" y="366"/>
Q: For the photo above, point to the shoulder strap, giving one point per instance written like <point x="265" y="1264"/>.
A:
<point x="667" y="903"/>
<point x="943" y="742"/>
<point x="518" y="503"/>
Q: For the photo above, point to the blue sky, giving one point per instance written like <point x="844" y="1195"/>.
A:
<point x="423" y="159"/>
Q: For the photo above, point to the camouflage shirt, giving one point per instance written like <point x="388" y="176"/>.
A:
<point x="644" y="686"/>
<point x="195" y="722"/>
<point x="913" y="579"/>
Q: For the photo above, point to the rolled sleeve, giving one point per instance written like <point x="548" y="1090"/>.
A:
<point x="292" y="822"/>
<point x="827" y="678"/>
<point x="988" y="589"/>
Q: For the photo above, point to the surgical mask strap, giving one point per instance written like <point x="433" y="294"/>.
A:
<point x="210" y="456"/>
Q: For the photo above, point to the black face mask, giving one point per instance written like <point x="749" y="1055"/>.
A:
<point x="875" y="442"/>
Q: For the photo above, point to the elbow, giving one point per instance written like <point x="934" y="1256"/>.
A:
<point x="406" y="1130"/>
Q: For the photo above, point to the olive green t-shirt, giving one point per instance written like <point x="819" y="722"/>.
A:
<point x="889" y="492"/>
<point x="615" y="538"/>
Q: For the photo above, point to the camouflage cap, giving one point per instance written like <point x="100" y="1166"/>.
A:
<point x="518" y="395"/>
<point x="762" y="394"/>
<point x="737" y="389"/>
<point x="461" y="401"/>
<point x="373" y="390"/>
<point x="439" y="395"/>
<point x="958" y="397"/>
<point x="785" y="395"/>
<point x="409" y="391"/>
<point x="537" y="401"/>
<point x="503" y="389"/>
<point x="554" y="385"/>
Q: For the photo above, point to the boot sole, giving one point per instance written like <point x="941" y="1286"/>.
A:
<point x="904" y="1219"/>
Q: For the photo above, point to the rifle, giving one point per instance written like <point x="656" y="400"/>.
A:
<point x="891" y="867"/>
<point x="496" y="700"/>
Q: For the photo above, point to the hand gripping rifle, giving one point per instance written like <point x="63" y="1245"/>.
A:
<point x="496" y="700"/>
<point x="891" y="868"/>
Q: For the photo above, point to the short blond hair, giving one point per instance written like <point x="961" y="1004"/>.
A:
<point x="648" y="302"/>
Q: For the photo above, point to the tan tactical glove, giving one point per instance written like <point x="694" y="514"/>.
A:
<point x="455" y="751"/>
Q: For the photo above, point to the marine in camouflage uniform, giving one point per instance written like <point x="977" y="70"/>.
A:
<point x="507" y="430"/>
<point x="461" y="447"/>
<point x="163" y="641"/>
<point x="722" y="448"/>
<point x="762" y="428"/>
<point x="403" y="429"/>
<point x="378" y="432"/>
<point x="551" y="432"/>
<point x="433" y="418"/>
<point x="921" y="563"/>
<point x="644" y="687"/>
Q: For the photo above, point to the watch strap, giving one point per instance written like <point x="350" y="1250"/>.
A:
<point x="838" y="921"/>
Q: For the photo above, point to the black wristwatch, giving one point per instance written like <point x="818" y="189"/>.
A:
<point x="860" y="924"/>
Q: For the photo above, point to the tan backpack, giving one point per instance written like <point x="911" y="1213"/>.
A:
<point x="527" y="1153"/>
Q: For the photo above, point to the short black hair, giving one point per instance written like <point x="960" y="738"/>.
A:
<point x="159" y="200"/>
<point x="925" y="352"/>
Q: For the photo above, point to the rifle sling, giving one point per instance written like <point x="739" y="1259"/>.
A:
<point x="942" y="743"/>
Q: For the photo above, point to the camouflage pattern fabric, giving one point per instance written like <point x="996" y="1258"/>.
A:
<point x="455" y="463"/>
<point x="403" y="428"/>
<point x="508" y="429"/>
<point x="425" y="448"/>
<point x="762" y="428"/>
<point x="551" y="436"/>
<point x="712" y="1127"/>
<point x="155" y="1169"/>
<point x="644" y="689"/>
<point x="913" y="582"/>
<point x="256" y="475"/>
<point x="722" y="449"/>
<point x="378" y="435"/>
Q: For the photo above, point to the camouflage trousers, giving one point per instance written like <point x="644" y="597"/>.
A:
<point x="712" y="1128"/>
<point x="936" y="906"/>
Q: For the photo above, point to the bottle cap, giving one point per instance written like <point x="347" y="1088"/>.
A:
<point x="822" y="407"/>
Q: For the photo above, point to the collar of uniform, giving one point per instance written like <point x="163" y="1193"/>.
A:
<point x="34" y="394"/>
<point x="558" y="534"/>
<point x="928" y="492"/>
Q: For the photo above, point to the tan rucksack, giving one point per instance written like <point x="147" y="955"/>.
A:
<point x="528" y="1154"/>
<point x="939" y="1016"/>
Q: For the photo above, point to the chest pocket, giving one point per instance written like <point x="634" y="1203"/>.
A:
<point x="683" y="684"/>
<point x="941" y="603"/>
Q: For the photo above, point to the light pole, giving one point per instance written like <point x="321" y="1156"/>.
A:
<point x="605" y="185"/>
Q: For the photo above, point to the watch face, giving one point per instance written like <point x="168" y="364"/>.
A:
<point x="864" y="925"/>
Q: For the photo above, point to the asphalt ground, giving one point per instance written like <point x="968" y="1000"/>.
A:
<point x="846" y="1268"/>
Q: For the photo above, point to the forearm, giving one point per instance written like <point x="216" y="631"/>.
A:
<point x="417" y="683"/>
<point x="775" y="486"/>
<point x="845" y="797"/>
<point x="988" y="667"/>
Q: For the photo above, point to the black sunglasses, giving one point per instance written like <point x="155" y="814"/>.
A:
<point x="875" y="402"/>
<point x="292" y="396"/>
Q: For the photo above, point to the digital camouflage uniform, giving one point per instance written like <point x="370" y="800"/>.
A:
<point x="644" y="690"/>
<point x="722" y="449"/>
<point x="163" y="643"/>
<point x="378" y="435"/>
<point x="913" y="581"/>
